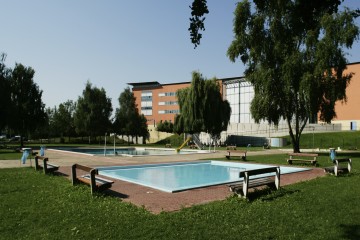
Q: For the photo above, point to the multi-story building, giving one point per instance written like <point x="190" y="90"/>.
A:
<point x="157" y="101"/>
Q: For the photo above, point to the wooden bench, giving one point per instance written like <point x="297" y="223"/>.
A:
<point x="337" y="168"/>
<point x="236" y="153"/>
<point x="303" y="157"/>
<point x="47" y="167"/>
<point x="230" y="147"/>
<point x="95" y="183"/>
<point x="242" y="188"/>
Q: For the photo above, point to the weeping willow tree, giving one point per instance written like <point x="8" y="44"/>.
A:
<point x="202" y="108"/>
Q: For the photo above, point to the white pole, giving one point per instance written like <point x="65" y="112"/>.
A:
<point x="114" y="144"/>
<point x="105" y="146"/>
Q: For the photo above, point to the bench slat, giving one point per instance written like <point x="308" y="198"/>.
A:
<point x="253" y="183"/>
<point x="258" y="171"/>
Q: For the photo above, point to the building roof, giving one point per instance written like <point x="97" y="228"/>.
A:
<point x="145" y="84"/>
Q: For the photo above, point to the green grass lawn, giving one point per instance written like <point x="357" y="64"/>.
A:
<point x="38" y="206"/>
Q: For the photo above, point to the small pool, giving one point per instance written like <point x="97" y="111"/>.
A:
<point x="175" y="177"/>
<point x="132" y="152"/>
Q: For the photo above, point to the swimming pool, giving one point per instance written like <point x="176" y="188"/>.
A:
<point x="130" y="152"/>
<point x="175" y="177"/>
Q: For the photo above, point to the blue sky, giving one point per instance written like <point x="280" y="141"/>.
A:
<point x="115" y="42"/>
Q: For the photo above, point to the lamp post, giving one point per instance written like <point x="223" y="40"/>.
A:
<point x="105" y="145"/>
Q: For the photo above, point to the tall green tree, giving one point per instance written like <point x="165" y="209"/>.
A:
<point x="5" y="96"/>
<point x="28" y="110"/>
<point x="93" y="111"/>
<point x="64" y="119"/>
<point x="128" y="120"/>
<point x="202" y="108"/>
<point x="294" y="56"/>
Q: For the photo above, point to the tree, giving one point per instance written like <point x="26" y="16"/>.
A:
<point x="293" y="51"/>
<point x="128" y="121"/>
<point x="5" y="97"/>
<point x="125" y="116"/>
<point x="165" y="126"/>
<point x="93" y="110"/>
<point x="202" y="108"/>
<point x="198" y="10"/>
<point x="27" y="107"/>
<point x="63" y="118"/>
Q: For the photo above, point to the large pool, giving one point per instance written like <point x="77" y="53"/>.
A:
<point x="174" y="177"/>
<point x="129" y="151"/>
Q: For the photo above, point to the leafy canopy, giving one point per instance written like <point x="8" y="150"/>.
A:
<point x="294" y="56"/>
<point x="93" y="110"/>
<point x="202" y="108"/>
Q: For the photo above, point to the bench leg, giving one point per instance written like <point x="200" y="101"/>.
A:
<point x="349" y="165"/>
<point x="36" y="163"/>
<point x="277" y="178"/>
<point x="245" y="185"/>
<point x="93" y="182"/>
<point x="73" y="174"/>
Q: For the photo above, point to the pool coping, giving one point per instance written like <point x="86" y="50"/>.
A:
<point x="188" y="151"/>
<point x="107" y="171"/>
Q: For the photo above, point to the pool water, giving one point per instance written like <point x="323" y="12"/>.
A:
<point x="174" y="177"/>
<point x="129" y="151"/>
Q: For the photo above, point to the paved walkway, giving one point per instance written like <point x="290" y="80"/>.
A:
<point x="152" y="199"/>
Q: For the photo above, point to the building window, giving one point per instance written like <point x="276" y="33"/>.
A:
<point x="146" y="103"/>
<point x="168" y="103"/>
<point x="169" y="111"/>
<point x="167" y="94"/>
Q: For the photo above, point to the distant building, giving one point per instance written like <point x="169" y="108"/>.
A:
<point x="348" y="113"/>
<point x="158" y="102"/>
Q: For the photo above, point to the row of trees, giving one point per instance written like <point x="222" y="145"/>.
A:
<point x="91" y="116"/>
<point x="23" y="112"/>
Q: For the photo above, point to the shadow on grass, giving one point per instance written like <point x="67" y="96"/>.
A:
<point x="350" y="231"/>
<point x="268" y="194"/>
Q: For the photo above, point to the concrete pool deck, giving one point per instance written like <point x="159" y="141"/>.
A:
<point x="151" y="199"/>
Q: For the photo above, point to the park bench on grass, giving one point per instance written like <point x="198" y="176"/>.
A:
<point x="337" y="168"/>
<point x="47" y="167"/>
<point x="242" y="188"/>
<point x="303" y="157"/>
<point x="236" y="153"/>
<point x="96" y="183"/>
<point x="168" y="145"/>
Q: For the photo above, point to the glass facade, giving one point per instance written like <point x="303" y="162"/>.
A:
<point x="239" y="93"/>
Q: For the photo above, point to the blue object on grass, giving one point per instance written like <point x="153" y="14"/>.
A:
<point x="42" y="151"/>
<point x="25" y="156"/>
<point x="332" y="154"/>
